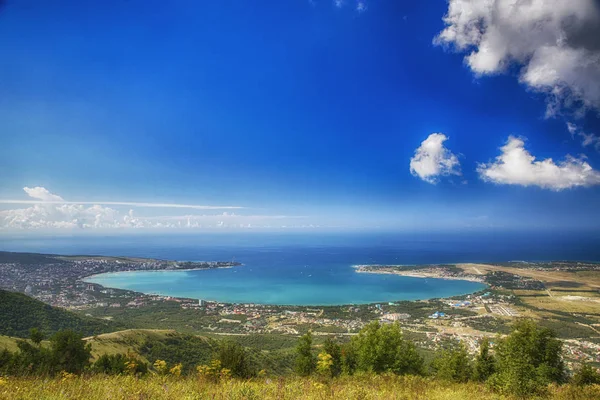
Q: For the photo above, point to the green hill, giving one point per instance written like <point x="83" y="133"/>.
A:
<point x="19" y="313"/>
<point x="174" y="347"/>
<point x="8" y="257"/>
<point x="129" y="340"/>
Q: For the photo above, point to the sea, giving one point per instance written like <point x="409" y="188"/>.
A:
<point x="310" y="268"/>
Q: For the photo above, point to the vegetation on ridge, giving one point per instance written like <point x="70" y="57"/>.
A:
<point x="20" y="313"/>
<point x="376" y="363"/>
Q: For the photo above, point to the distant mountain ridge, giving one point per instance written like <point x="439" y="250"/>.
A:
<point x="8" y="257"/>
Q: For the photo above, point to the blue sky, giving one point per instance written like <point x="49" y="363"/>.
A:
<point x="303" y="113"/>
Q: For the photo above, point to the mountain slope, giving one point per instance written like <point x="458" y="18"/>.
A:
<point x="19" y="313"/>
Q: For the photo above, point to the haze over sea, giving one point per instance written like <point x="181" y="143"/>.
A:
<point x="310" y="268"/>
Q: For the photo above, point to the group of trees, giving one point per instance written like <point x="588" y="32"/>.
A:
<point x="524" y="362"/>
<point x="66" y="352"/>
<point x="376" y="349"/>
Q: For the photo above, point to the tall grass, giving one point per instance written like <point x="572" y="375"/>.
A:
<point x="352" y="388"/>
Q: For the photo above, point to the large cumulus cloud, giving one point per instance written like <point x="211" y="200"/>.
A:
<point x="516" y="166"/>
<point x="556" y="43"/>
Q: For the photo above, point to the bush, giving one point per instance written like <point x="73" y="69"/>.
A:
<point x="528" y="360"/>
<point x="453" y="365"/>
<point x="119" y="364"/>
<point x="234" y="358"/>
<point x="213" y="372"/>
<point x="586" y="375"/>
<point x="110" y="364"/>
<point x="324" y="364"/>
<point x="382" y="348"/>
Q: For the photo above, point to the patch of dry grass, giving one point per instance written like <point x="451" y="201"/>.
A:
<point x="122" y="342"/>
<point x="9" y="343"/>
<point x="566" y="303"/>
<point x="362" y="387"/>
<point x="582" y="279"/>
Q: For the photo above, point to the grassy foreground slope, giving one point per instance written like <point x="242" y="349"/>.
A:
<point x="130" y="340"/>
<point x="20" y="313"/>
<point x="350" y="388"/>
<point x="149" y="345"/>
<point x="174" y="347"/>
<point x="8" y="343"/>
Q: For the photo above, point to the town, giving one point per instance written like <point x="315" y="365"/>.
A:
<point x="60" y="281"/>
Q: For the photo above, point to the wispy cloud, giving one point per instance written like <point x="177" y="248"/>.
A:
<point x="51" y="211"/>
<point x="43" y="195"/>
<point x="359" y="5"/>
<point x="587" y="139"/>
<point x="124" y="203"/>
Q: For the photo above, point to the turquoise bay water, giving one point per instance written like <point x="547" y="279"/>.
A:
<point x="312" y="269"/>
<point x="302" y="285"/>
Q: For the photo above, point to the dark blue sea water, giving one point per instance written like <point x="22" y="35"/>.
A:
<point x="311" y="268"/>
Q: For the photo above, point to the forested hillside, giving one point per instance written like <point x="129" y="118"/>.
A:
<point x="8" y="257"/>
<point x="20" y="313"/>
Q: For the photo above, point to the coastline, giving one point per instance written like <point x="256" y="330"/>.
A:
<point x="83" y="279"/>
<point x="356" y="268"/>
<point x="388" y="270"/>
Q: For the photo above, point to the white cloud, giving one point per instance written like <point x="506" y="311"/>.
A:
<point x="432" y="159"/>
<point x="587" y="139"/>
<point x="41" y="193"/>
<point x="338" y="3"/>
<point x="64" y="216"/>
<point x="122" y="203"/>
<point x="50" y="211"/>
<point x="361" y="6"/>
<point x="555" y="42"/>
<point x="516" y="166"/>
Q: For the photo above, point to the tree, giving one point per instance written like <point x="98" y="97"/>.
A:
<point x="36" y="336"/>
<point x="485" y="365"/>
<point x="382" y="348"/>
<point x="349" y="359"/>
<point x="233" y="357"/>
<point x="586" y="375"/>
<point x="528" y="359"/>
<point x="335" y="351"/>
<point x="69" y="352"/>
<point x="305" y="360"/>
<point x="453" y="364"/>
